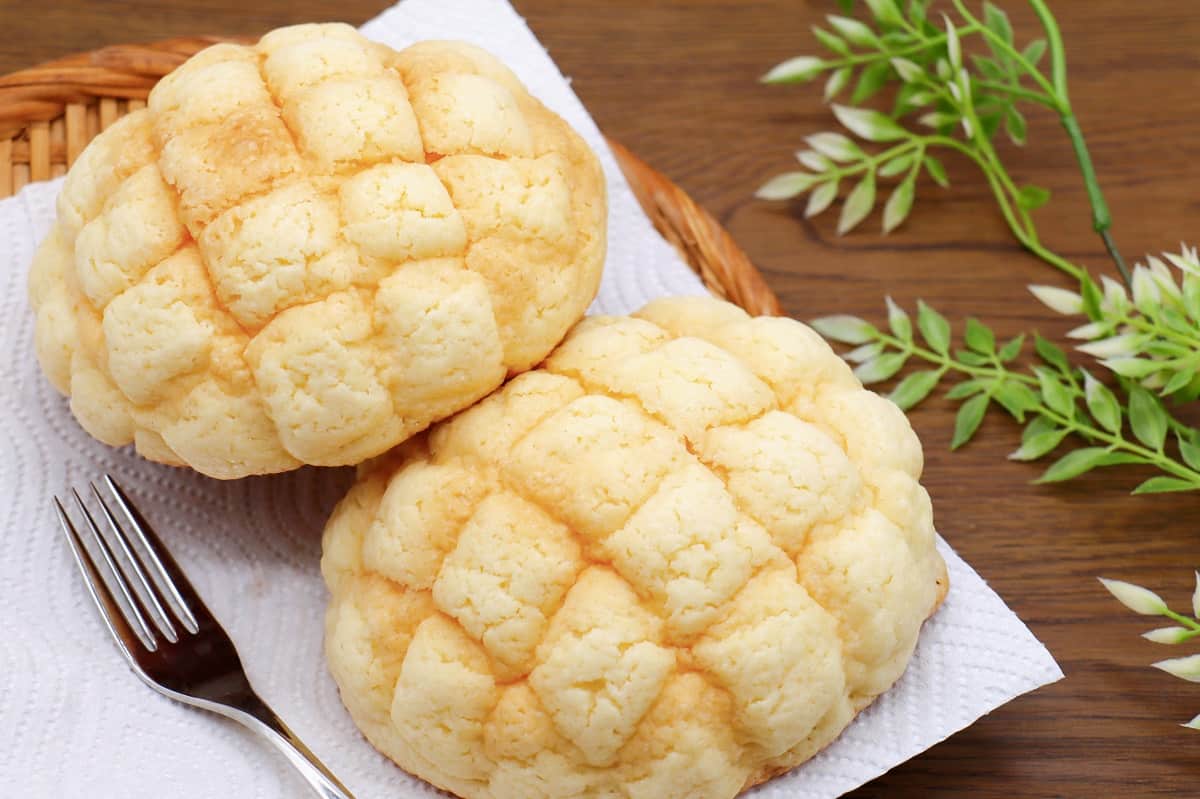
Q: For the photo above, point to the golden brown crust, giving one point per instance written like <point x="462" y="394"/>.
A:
<point x="309" y="249"/>
<point x="675" y="560"/>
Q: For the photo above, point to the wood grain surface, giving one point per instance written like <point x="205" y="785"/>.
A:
<point x="676" y="82"/>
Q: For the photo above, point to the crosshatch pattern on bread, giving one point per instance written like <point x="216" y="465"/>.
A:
<point x="308" y="250"/>
<point x="674" y="561"/>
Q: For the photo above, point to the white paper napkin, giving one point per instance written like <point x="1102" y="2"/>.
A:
<point x="75" y="723"/>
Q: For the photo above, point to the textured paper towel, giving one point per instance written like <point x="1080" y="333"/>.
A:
<point x="75" y="723"/>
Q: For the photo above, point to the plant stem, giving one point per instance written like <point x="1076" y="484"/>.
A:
<point x="1019" y="91"/>
<point x="867" y="58"/>
<point x="1114" y="441"/>
<point x="1191" y="624"/>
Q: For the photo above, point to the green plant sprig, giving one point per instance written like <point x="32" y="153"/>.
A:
<point x="1053" y="399"/>
<point x="1147" y="603"/>
<point x="964" y="97"/>
<point x="1150" y="334"/>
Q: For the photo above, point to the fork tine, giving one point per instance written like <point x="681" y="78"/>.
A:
<point x="165" y="573"/>
<point x="116" y="601"/>
<point x="141" y="587"/>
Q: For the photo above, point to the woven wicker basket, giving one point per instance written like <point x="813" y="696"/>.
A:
<point x="50" y="112"/>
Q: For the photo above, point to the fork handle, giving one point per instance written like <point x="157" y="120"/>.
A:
<point x="258" y="717"/>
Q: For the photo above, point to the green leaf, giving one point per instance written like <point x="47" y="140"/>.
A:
<point x="972" y="358"/>
<point x="964" y="389"/>
<point x="1189" y="448"/>
<point x="868" y="124"/>
<point x="987" y="67"/>
<point x="846" y="5"/>
<point x="1073" y="464"/>
<point x="990" y="123"/>
<point x="908" y="71"/>
<point x="1178" y="381"/>
<point x="786" y="186"/>
<point x="1164" y="485"/>
<point x="870" y="81"/>
<point x="1052" y="354"/>
<point x="835" y="146"/>
<point x="898" y="205"/>
<point x="1038" y="445"/>
<point x="914" y="388"/>
<point x="916" y="11"/>
<point x="996" y="21"/>
<point x="1031" y="197"/>
<point x="980" y="337"/>
<point x="881" y="368"/>
<point x="1102" y="404"/>
<point x="910" y="97"/>
<point x="966" y="422"/>
<point x="837" y="81"/>
<point x="934" y="328"/>
<point x="898" y="321"/>
<point x="831" y="41"/>
<point x="936" y="171"/>
<point x="853" y="31"/>
<point x="1017" y="398"/>
<point x="1120" y="459"/>
<point x="1039" y="425"/>
<point x="1034" y="51"/>
<point x="1056" y="395"/>
<point x="1147" y="418"/>
<point x="800" y="69"/>
<point x="1093" y="298"/>
<point x="1012" y="349"/>
<point x="1014" y="126"/>
<point x="886" y="11"/>
<point x="865" y="352"/>
<point x="858" y="204"/>
<point x="844" y="328"/>
<point x="897" y="165"/>
<point x="821" y="198"/>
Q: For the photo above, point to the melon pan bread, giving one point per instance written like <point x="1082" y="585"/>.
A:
<point x="307" y="250"/>
<point x="672" y="562"/>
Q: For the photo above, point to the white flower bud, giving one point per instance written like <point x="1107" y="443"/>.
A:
<point x="1185" y="668"/>
<point x="1089" y="331"/>
<point x="1168" y="635"/>
<point x="1114" y="347"/>
<point x="1194" y="724"/>
<point x="1164" y="278"/>
<point x="798" y="69"/>
<point x="1058" y="300"/>
<point x="1138" y="599"/>
<point x="1145" y="289"/>
<point x="1115" y="298"/>
<point x="1186" y="260"/>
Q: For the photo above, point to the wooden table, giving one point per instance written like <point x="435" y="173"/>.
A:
<point x="677" y="83"/>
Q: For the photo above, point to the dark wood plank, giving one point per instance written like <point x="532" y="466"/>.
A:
<point x="676" y="81"/>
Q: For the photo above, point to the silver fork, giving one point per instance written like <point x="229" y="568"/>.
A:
<point x="185" y="655"/>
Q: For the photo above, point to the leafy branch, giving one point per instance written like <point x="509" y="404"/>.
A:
<point x="1150" y="334"/>
<point x="1053" y="399"/>
<point x="1147" y="603"/>
<point x="961" y="99"/>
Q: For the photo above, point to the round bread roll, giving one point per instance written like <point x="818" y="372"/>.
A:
<point x="674" y="561"/>
<point x="308" y="250"/>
